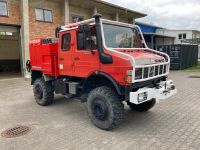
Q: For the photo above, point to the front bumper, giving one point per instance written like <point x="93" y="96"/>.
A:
<point x="162" y="91"/>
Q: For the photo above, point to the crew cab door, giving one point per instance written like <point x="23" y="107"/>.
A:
<point x="86" y="57"/>
<point x="65" y="62"/>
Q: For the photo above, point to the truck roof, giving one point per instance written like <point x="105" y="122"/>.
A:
<point x="91" y="22"/>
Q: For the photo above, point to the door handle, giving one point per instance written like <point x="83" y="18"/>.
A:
<point x="61" y="59"/>
<point x="76" y="58"/>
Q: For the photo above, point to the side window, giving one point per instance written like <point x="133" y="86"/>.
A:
<point x="180" y="36"/>
<point x="43" y="15"/>
<point x="87" y="40"/>
<point x="184" y="35"/>
<point x="66" y="42"/>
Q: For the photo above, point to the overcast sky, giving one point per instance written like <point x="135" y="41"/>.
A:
<point x="173" y="14"/>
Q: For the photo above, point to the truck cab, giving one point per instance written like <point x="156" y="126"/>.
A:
<point x="104" y="63"/>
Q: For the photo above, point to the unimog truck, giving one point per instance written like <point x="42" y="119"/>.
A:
<point x="103" y="63"/>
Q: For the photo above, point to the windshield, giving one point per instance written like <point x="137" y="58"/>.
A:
<point x="121" y="37"/>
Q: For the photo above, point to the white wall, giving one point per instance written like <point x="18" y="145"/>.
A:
<point x="196" y="34"/>
<point x="175" y="33"/>
<point x="190" y="34"/>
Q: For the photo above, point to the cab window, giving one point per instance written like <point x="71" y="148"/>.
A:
<point x="87" y="40"/>
<point x="66" y="42"/>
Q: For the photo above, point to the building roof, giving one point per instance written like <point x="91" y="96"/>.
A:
<point x="147" y="28"/>
<point x="180" y="30"/>
<point x="161" y="28"/>
<point x="121" y="8"/>
<point x="108" y="8"/>
<point x="159" y="35"/>
<point x="147" y="24"/>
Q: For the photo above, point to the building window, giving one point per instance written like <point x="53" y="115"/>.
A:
<point x="3" y="8"/>
<point x="44" y="15"/>
<point x="76" y="18"/>
<point x="184" y="36"/>
<point x="66" y="42"/>
<point x="180" y="36"/>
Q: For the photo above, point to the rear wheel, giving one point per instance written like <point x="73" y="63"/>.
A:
<point x="142" y="107"/>
<point x="105" y="109"/>
<point x="43" y="92"/>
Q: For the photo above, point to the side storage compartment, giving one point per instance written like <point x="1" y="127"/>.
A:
<point x="44" y="56"/>
<point x="63" y="86"/>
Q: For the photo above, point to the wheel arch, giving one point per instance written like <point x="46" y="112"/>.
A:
<point x="92" y="81"/>
<point x="35" y="75"/>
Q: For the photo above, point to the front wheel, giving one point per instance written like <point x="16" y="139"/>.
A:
<point x="105" y="109"/>
<point x="142" y="107"/>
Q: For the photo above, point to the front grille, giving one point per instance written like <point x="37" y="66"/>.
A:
<point x="149" y="72"/>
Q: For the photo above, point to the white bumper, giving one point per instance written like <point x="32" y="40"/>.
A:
<point x="163" y="91"/>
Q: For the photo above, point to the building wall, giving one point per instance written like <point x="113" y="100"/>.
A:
<point x="30" y="28"/>
<point x="164" y="41"/>
<point x="74" y="10"/>
<point x="196" y="34"/>
<point x="44" y="29"/>
<point x="175" y="34"/>
<point x="13" y="13"/>
<point x="107" y="16"/>
<point x="88" y="13"/>
<point x="126" y="20"/>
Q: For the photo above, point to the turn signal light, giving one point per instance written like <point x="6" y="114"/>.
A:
<point x="128" y="79"/>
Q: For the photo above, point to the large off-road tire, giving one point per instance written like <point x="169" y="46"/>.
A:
<point x="43" y="92"/>
<point x="142" y="107"/>
<point x="105" y="108"/>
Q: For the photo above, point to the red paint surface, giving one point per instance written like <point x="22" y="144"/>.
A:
<point x="81" y="63"/>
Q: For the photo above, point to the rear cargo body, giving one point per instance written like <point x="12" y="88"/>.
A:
<point x="44" y="56"/>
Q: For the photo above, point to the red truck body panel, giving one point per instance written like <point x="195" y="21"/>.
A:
<point x="44" y="57"/>
<point x="82" y="63"/>
<point x="51" y="60"/>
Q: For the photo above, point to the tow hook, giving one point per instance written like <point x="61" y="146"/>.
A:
<point x="173" y="87"/>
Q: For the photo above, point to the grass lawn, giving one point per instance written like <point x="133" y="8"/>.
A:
<point x="194" y="68"/>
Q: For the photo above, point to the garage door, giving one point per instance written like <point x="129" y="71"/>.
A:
<point x="9" y="51"/>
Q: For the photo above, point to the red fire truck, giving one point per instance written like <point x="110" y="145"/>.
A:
<point x="104" y="63"/>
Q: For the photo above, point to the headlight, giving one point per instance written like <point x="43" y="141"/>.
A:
<point x="128" y="78"/>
